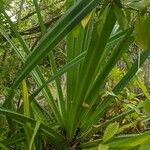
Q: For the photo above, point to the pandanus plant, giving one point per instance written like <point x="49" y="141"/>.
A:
<point x="98" y="34"/>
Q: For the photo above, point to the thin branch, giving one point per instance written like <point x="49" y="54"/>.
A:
<point x="20" y="11"/>
<point x="43" y="8"/>
<point x="37" y="29"/>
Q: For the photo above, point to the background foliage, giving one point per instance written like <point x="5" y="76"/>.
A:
<point x="71" y="74"/>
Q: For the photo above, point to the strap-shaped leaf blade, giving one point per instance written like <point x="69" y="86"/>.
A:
<point x="72" y="17"/>
<point x="24" y="119"/>
<point x="117" y="89"/>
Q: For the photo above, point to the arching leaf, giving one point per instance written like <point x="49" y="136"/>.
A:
<point x="142" y="32"/>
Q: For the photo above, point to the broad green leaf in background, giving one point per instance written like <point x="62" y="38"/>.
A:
<point x="103" y="147"/>
<point x="142" y="31"/>
<point x="146" y="106"/>
<point x="122" y="142"/>
<point x="145" y="145"/>
<point x="129" y="141"/>
<point x="110" y="131"/>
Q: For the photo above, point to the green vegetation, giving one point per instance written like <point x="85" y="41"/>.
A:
<point x="71" y="74"/>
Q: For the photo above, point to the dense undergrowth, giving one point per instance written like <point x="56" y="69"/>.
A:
<point x="71" y="81"/>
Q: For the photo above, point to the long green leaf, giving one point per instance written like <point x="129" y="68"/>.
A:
<point x="36" y="73"/>
<point x="118" y="88"/>
<point x="91" y="60"/>
<point x="61" y="104"/>
<point x="99" y="82"/>
<point x="3" y="147"/>
<point x="121" y="142"/>
<point x="26" y="108"/>
<point x="23" y="119"/>
<point x="37" y="126"/>
<point x="17" y="138"/>
<point x="76" y="61"/>
<point x="72" y="17"/>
